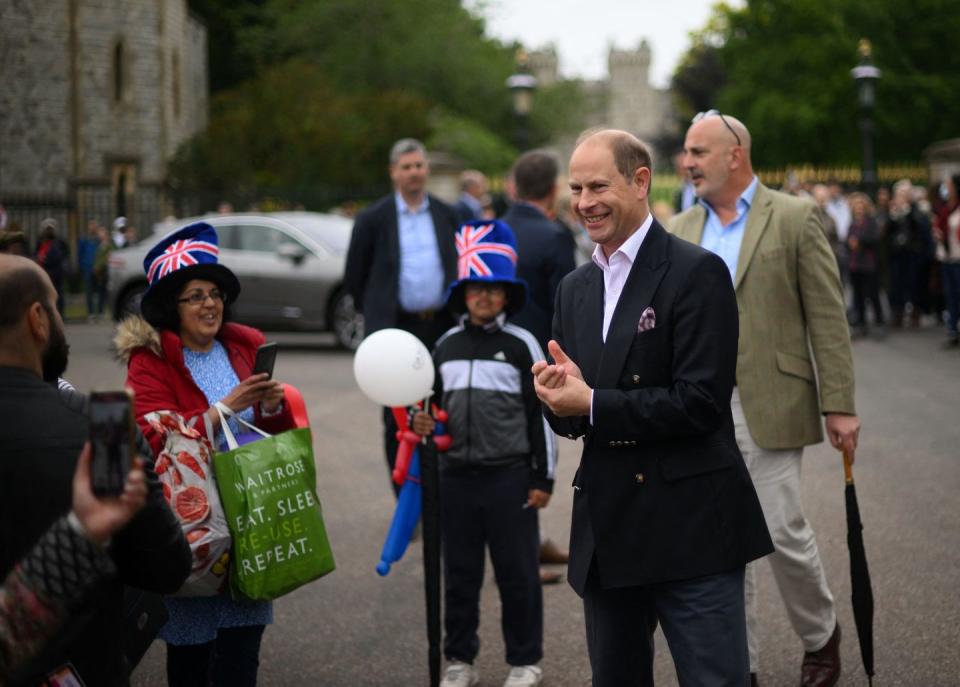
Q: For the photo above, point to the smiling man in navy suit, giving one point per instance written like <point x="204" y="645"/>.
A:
<point x="665" y="516"/>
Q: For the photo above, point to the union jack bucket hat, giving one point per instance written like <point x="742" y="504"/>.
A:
<point x="191" y="252"/>
<point x="487" y="253"/>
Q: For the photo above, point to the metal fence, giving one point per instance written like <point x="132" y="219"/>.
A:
<point x="83" y="203"/>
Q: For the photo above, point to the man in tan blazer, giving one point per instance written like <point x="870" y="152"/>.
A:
<point x="794" y="363"/>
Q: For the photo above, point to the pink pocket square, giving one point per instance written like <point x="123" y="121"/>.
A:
<point x="648" y="320"/>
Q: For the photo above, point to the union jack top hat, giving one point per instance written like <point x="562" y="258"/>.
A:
<point x="487" y="253"/>
<point x="188" y="253"/>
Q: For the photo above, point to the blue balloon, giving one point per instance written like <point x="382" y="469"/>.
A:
<point x="405" y="518"/>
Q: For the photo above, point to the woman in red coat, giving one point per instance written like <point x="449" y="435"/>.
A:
<point x="183" y="357"/>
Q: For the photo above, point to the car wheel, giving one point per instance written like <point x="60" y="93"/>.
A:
<point x="346" y="322"/>
<point x="129" y="302"/>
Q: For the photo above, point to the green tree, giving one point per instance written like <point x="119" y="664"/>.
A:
<point x="291" y="134"/>
<point x="230" y="63"/>
<point x="321" y="89"/>
<point x="786" y="69"/>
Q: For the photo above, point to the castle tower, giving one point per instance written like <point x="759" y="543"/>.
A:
<point x="543" y="64"/>
<point x="634" y="105"/>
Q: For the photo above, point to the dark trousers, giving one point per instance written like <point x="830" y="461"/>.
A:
<point x="903" y="281"/>
<point x="703" y="620"/>
<point x="231" y="660"/>
<point x="951" y="292"/>
<point x="428" y="331"/>
<point x="866" y="288"/>
<point x="487" y="509"/>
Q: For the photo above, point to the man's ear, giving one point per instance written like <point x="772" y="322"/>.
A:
<point x="38" y="323"/>
<point x="641" y="178"/>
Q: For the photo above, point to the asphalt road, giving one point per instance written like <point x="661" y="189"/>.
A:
<point x="355" y="628"/>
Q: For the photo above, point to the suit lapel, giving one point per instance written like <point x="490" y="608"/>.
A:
<point x="698" y="217"/>
<point x="589" y="323"/>
<point x="391" y="227"/>
<point x="757" y="222"/>
<point x="644" y="278"/>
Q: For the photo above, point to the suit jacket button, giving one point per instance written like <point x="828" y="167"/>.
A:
<point x="636" y="379"/>
<point x="639" y="477"/>
<point x="611" y="443"/>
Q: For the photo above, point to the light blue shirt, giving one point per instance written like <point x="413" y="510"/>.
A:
<point x="725" y="241"/>
<point x="421" y="271"/>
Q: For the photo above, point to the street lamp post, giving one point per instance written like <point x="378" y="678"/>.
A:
<point x="522" y="84"/>
<point x="865" y="74"/>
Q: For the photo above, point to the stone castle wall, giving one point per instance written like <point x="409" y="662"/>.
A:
<point x="74" y="125"/>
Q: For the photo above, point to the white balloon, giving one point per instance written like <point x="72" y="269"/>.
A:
<point x="393" y="368"/>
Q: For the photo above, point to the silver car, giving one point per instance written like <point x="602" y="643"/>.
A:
<point x="290" y="266"/>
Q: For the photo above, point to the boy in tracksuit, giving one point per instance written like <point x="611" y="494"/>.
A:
<point x="499" y="469"/>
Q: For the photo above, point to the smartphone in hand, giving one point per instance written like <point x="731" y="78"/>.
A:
<point x="111" y="440"/>
<point x="266" y="357"/>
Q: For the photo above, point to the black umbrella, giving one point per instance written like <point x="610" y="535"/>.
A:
<point x="860" y="590"/>
<point x="430" y="484"/>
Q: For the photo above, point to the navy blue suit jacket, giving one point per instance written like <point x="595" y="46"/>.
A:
<point x="662" y="493"/>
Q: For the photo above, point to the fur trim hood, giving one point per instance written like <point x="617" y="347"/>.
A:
<point x="133" y="333"/>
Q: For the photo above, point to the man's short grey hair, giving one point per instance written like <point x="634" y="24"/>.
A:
<point x="404" y="146"/>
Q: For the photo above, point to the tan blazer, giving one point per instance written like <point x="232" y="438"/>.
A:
<point x="791" y="305"/>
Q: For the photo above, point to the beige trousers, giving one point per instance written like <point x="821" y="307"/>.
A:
<point x="795" y="563"/>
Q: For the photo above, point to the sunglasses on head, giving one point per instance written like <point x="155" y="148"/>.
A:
<point x="717" y="113"/>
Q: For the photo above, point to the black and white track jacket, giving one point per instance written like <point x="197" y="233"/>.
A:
<point x="485" y="385"/>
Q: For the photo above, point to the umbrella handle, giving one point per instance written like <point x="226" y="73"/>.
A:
<point x="847" y="467"/>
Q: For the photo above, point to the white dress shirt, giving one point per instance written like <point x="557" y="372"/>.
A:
<point x="616" y="269"/>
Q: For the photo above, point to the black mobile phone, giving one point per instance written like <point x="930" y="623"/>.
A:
<point x="266" y="357"/>
<point x="111" y="440"/>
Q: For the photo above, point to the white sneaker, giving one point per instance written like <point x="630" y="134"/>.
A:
<point x="524" y="676"/>
<point x="459" y="674"/>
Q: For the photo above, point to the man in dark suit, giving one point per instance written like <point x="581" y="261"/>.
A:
<point x="545" y="251"/>
<point x="401" y="258"/>
<point x="665" y="516"/>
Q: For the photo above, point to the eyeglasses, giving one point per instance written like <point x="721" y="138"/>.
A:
<point x="717" y="113"/>
<point x="490" y="289"/>
<point x="199" y="297"/>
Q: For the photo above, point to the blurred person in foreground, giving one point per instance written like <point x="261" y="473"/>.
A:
<point x="183" y="356"/>
<point x="947" y="233"/>
<point x="863" y="242"/>
<point x="664" y="514"/>
<point x="791" y="305"/>
<point x="41" y="436"/>
<point x="64" y="566"/>
<point x="400" y="260"/>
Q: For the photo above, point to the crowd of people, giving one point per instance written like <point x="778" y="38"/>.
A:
<point x="52" y="252"/>
<point x="898" y="252"/>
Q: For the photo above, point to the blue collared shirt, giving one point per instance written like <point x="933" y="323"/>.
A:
<point x="421" y="270"/>
<point x="725" y="241"/>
